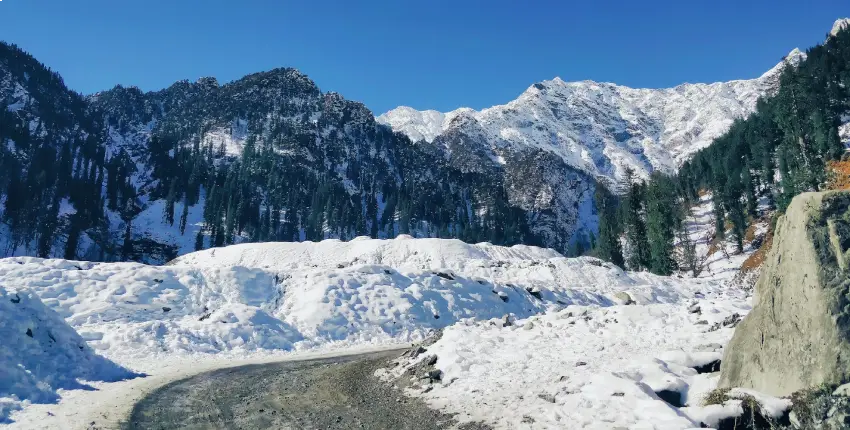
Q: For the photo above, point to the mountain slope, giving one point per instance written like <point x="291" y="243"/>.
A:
<point x="130" y="175"/>
<point x="600" y="128"/>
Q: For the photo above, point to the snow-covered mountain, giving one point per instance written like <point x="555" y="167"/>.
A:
<point x="147" y="176"/>
<point x="839" y="25"/>
<point x="599" y="128"/>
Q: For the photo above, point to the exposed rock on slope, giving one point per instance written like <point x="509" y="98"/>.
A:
<point x="798" y="334"/>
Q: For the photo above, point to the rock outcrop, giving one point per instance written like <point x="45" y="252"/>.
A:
<point x="798" y="333"/>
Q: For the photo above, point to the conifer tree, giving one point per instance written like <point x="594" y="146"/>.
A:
<point x="607" y="246"/>
<point x="635" y="225"/>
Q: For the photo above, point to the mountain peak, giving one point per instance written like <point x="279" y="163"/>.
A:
<point x="794" y="58"/>
<point x="839" y="25"/>
<point x="208" y="81"/>
<point x="417" y="125"/>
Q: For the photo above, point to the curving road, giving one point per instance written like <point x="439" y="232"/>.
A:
<point x="331" y="393"/>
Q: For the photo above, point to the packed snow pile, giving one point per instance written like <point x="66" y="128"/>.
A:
<point x="42" y="354"/>
<point x="629" y="366"/>
<point x="403" y="252"/>
<point x="293" y="296"/>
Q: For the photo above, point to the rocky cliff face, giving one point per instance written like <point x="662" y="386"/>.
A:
<point x="798" y="333"/>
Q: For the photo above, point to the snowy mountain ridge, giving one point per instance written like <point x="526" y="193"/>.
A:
<point x="601" y="128"/>
<point x="839" y="25"/>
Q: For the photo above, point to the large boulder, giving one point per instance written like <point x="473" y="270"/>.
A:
<point x="798" y="333"/>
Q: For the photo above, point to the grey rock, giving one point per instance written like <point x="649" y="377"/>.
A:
<point x="417" y="351"/>
<point x="796" y="336"/>
<point x="624" y="298"/>
<point x="535" y="292"/>
<point x="820" y="408"/>
<point x="547" y="397"/>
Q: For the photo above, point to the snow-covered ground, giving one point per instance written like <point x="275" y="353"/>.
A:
<point x="252" y="302"/>
<point x="597" y="366"/>
<point x="583" y="367"/>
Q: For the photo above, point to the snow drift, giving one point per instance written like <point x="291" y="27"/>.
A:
<point x="293" y="296"/>
<point x="42" y="354"/>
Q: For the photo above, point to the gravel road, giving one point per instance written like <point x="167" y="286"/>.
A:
<point x="332" y="393"/>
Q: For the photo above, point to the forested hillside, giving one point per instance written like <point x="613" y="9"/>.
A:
<point x="129" y="175"/>
<point x="776" y="153"/>
<point x="52" y="158"/>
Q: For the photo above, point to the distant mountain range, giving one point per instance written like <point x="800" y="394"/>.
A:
<point x="601" y="129"/>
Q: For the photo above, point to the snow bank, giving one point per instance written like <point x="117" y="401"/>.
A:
<point x="42" y="354"/>
<point x="293" y="296"/>
<point x="581" y="367"/>
<point x="402" y="253"/>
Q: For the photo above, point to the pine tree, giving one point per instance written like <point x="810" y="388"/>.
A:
<point x="199" y="240"/>
<point x="607" y="245"/>
<point x="719" y="217"/>
<point x="660" y="223"/>
<point x="633" y="220"/>
<point x="184" y="216"/>
<point x="168" y="212"/>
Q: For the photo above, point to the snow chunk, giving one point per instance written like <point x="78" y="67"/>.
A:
<point x="770" y="406"/>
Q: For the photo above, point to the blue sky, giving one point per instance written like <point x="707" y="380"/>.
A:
<point x="427" y="54"/>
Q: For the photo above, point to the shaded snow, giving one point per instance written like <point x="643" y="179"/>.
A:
<point x="42" y="355"/>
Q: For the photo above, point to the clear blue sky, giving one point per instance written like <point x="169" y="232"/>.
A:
<point x="427" y="54"/>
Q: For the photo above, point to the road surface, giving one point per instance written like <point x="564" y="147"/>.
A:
<point x="329" y="393"/>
